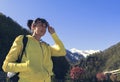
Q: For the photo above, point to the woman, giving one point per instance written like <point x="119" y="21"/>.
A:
<point x="36" y="65"/>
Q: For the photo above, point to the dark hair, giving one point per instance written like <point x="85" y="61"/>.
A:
<point x="36" y="21"/>
<point x="29" y="23"/>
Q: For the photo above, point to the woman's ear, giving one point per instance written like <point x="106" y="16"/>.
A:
<point x="32" y="28"/>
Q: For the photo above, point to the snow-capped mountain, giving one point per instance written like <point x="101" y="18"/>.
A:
<point x="85" y="53"/>
<point x="75" y="56"/>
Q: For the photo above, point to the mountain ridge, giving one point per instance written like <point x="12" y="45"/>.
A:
<point x="85" y="53"/>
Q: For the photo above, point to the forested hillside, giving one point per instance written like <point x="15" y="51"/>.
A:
<point x="112" y="56"/>
<point x="106" y="60"/>
<point x="9" y="29"/>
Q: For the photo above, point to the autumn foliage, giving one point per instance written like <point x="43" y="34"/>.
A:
<point x="76" y="72"/>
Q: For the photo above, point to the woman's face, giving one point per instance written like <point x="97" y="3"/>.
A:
<point x="40" y="29"/>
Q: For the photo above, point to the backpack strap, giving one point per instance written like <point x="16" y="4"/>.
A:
<point x="25" y="39"/>
<point x="15" y="78"/>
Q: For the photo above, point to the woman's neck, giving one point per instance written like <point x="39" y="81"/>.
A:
<point x="37" y="37"/>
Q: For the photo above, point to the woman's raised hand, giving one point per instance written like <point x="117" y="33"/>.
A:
<point x="51" y="30"/>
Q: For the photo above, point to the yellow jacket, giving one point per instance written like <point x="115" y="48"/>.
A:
<point x="36" y="63"/>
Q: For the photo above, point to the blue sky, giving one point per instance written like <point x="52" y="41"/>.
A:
<point x="81" y="24"/>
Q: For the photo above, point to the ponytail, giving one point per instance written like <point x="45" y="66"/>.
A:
<point x="29" y="23"/>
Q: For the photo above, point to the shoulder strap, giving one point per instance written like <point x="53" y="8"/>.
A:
<point x="25" y="39"/>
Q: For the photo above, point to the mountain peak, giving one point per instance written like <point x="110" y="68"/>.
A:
<point x="85" y="53"/>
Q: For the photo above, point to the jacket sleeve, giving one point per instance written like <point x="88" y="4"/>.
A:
<point x="58" y="48"/>
<point x="10" y="64"/>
